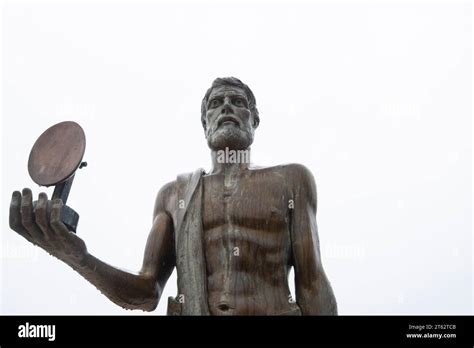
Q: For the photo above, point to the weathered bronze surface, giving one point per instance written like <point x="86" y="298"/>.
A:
<point x="57" y="154"/>
<point x="233" y="233"/>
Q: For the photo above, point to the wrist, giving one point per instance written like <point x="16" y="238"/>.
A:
<point x="78" y="261"/>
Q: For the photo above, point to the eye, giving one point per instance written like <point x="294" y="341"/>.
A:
<point x="214" y="103"/>
<point x="239" y="102"/>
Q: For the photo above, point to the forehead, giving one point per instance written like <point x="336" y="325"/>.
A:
<point x="224" y="91"/>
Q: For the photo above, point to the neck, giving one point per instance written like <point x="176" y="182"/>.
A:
<point x="230" y="161"/>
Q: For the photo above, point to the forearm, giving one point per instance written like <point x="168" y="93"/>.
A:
<point x="44" y="227"/>
<point x="128" y="290"/>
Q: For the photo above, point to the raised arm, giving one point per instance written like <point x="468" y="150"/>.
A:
<point x="314" y="294"/>
<point x="142" y="290"/>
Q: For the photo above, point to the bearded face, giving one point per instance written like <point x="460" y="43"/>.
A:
<point x="229" y="121"/>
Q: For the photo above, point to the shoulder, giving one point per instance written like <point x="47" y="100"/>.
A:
<point x="166" y="198"/>
<point x="299" y="172"/>
<point x="304" y="185"/>
<point x="302" y="182"/>
<point x="292" y="173"/>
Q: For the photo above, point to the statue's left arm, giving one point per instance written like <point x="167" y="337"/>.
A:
<point x="314" y="294"/>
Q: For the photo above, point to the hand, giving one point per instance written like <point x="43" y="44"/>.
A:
<point x="43" y="226"/>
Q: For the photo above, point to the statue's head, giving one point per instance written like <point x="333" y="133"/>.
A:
<point x="229" y="114"/>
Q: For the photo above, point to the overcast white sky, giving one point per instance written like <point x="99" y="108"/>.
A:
<point x="374" y="98"/>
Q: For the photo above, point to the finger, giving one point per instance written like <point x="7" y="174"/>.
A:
<point x="15" y="215"/>
<point x="27" y="215"/>
<point x="55" y="221"/>
<point x="26" y="209"/>
<point x="41" y="214"/>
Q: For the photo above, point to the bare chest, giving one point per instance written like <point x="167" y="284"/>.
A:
<point x="249" y="202"/>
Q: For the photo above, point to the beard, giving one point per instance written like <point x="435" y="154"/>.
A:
<point x="229" y="137"/>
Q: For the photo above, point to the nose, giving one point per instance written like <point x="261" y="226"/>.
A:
<point x="227" y="106"/>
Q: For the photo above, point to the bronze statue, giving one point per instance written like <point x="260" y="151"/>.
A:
<point x="233" y="233"/>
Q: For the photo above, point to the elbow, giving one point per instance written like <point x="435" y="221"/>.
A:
<point x="152" y="299"/>
<point x="318" y="306"/>
<point x="150" y="305"/>
<point x="147" y="303"/>
<point x="145" y="297"/>
<point x="329" y="306"/>
<point x="318" y="299"/>
<point x="147" y="306"/>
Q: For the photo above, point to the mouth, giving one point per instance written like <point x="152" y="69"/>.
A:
<point x="228" y="120"/>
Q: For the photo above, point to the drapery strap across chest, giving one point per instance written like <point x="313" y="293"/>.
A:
<point x="190" y="258"/>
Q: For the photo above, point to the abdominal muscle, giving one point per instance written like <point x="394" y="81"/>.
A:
<point x="247" y="272"/>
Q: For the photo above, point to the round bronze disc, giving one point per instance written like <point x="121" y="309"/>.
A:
<point x="57" y="153"/>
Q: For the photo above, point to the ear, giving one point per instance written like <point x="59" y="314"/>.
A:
<point x="256" y="121"/>
<point x="204" y="126"/>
